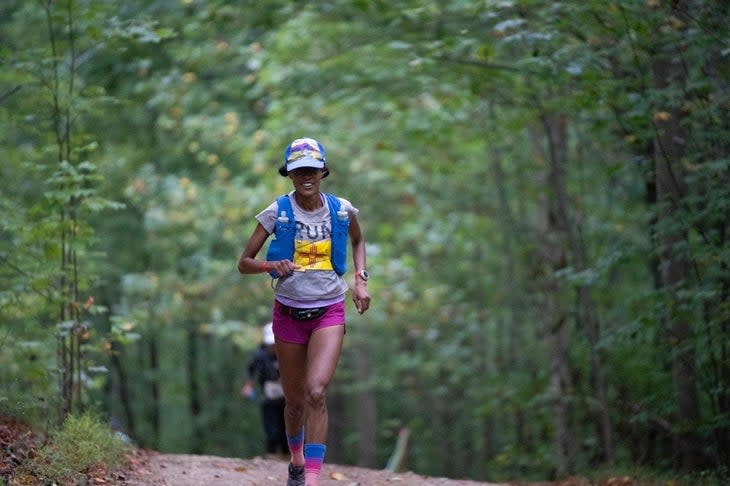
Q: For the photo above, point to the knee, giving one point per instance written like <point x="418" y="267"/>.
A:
<point x="316" y="397"/>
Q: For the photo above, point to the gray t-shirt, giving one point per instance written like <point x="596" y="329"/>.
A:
<point x="318" y="282"/>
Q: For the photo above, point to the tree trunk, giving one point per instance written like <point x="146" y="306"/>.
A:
<point x="721" y="333"/>
<point x="123" y="391"/>
<point x="366" y="409"/>
<point x="339" y="417"/>
<point x="195" y="400"/>
<point x="515" y="337"/>
<point x="154" y="384"/>
<point x="555" y="326"/>
<point x="485" y="429"/>
<point x="568" y="230"/>
<point x="668" y="74"/>
<point x="589" y="322"/>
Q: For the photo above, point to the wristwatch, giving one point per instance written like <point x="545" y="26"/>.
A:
<point x="363" y="274"/>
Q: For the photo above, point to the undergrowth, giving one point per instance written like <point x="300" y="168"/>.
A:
<point x="83" y="446"/>
<point x="639" y="476"/>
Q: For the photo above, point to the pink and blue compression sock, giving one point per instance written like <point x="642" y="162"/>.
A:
<point x="313" y="459"/>
<point x="296" y="446"/>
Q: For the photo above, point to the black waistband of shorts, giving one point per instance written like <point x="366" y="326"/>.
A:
<point x="301" y="313"/>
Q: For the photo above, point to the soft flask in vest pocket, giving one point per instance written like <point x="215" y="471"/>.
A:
<point x="340" y="232"/>
<point x="282" y="246"/>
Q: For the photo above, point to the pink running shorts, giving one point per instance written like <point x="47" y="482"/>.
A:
<point x="291" y="330"/>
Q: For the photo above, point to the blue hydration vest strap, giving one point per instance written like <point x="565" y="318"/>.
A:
<point x="282" y="246"/>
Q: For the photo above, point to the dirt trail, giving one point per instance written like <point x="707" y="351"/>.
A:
<point x="154" y="469"/>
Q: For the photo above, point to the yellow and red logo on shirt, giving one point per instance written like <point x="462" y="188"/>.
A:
<point x="313" y="255"/>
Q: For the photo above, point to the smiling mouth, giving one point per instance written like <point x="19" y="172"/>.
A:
<point x="307" y="185"/>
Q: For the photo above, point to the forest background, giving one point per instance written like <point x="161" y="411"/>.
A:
<point x="544" y="188"/>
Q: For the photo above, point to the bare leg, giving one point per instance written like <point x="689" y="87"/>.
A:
<point x="323" y="354"/>
<point x="306" y="372"/>
<point x="292" y="368"/>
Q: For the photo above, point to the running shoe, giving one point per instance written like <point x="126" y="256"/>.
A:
<point x="296" y="475"/>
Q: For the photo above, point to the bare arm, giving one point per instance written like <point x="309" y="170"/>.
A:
<point x="360" y="295"/>
<point x="247" y="262"/>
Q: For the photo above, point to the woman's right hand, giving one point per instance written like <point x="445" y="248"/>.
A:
<point x="284" y="268"/>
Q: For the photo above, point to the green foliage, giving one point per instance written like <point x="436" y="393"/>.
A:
<point x="81" y="442"/>
<point x="436" y="118"/>
<point x="28" y="390"/>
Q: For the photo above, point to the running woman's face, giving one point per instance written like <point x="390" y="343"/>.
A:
<point x="306" y="180"/>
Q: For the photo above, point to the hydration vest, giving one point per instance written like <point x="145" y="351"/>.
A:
<point x="282" y="246"/>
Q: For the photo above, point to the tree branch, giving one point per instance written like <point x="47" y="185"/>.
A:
<point x="484" y="65"/>
<point x="5" y="261"/>
<point x="10" y="93"/>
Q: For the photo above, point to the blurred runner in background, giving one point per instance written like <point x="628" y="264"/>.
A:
<point x="264" y="369"/>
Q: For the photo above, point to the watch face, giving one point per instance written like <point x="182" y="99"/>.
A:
<point x="364" y="274"/>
